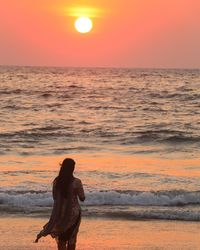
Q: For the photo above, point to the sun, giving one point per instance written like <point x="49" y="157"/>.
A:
<point x="83" y="24"/>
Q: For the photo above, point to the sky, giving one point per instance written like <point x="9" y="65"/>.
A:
<point x="126" y="33"/>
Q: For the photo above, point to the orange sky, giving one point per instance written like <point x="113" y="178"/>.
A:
<point x="126" y="33"/>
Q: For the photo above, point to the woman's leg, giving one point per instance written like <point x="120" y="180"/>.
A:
<point x="61" y="245"/>
<point x="71" y="246"/>
<point x="72" y="243"/>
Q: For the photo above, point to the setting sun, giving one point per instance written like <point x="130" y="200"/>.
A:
<point x="83" y="24"/>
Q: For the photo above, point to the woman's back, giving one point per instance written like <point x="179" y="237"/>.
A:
<point x="73" y="209"/>
<point x="77" y="192"/>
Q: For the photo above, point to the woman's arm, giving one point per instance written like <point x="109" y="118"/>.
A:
<point x="80" y="191"/>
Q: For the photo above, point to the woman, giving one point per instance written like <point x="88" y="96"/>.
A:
<point x="66" y="214"/>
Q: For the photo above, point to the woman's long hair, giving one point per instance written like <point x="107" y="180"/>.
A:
<point x="65" y="177"/>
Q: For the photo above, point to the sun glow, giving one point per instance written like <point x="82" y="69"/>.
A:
<point x="80" y="11"/>
<point x="83" y="24"/>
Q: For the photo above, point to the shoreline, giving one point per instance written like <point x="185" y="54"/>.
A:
<point x="95" y="217"/>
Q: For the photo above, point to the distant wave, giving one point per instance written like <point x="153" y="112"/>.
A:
<point x="126" y="138"/>
<point x="182" y="139"/>
<point x="162" y="136"/>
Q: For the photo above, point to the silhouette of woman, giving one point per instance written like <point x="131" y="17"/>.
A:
<point x="65" y="218"/>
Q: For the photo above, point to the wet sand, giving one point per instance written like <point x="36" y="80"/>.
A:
<point x="18" y="233"/>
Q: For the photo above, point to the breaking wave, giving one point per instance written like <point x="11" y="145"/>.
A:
<point x="175" y="204"/>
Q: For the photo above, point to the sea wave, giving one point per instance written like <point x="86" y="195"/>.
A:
<point x="131" y="205"/>
<point x="161" y="137"/>
<point x="159" y="198"/>
<point x="119" y="137"/>
<point x="43" y="198"/>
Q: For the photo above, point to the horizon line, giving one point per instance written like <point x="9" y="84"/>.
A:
<point x="101" y="67"/>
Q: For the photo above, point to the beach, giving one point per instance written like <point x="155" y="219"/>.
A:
<point x="134" y="134"/>
<point x="18" y="232"/>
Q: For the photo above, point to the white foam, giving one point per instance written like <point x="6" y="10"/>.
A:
<point x="143" y="198"/>
<point x="44" y="199"/>
<point x="136" y="205"/>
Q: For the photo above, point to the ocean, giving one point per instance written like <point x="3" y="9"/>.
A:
<point x="134" y="133"/>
